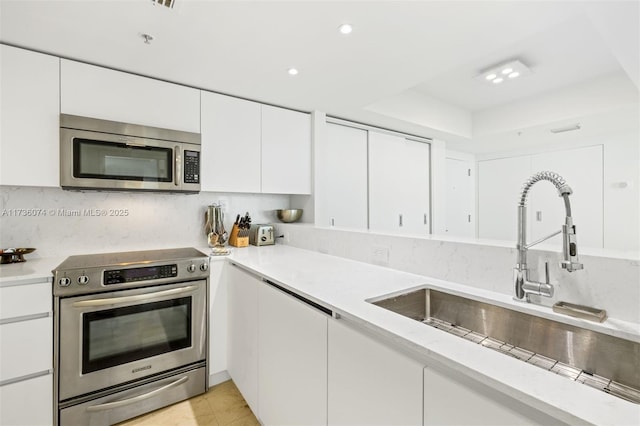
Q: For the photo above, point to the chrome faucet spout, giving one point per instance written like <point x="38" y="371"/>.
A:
<point x="523" y="286"/>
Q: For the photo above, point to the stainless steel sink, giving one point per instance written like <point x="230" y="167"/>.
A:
<point x="605" y="362"/>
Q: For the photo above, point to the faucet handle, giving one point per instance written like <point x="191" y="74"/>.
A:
<point x="546" y="272"/>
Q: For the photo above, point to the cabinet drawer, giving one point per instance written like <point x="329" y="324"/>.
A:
<point x="26" y="347"/>
<point x="28" y="299"/>
<point x="27" y="403"/>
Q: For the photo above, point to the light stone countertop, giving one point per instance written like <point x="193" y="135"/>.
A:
<point x="344" y="286"/>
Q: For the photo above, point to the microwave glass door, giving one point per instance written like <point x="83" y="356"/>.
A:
<point x="120" y="335"/>
<point x="112" y="160"/>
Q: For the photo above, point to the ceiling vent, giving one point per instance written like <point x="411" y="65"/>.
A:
<point x="166" y="3"/>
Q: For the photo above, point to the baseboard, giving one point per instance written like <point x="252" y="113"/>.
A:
<point x="217" y="378"/>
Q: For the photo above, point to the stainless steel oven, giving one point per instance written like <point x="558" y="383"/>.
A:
<point x="130" y="334"/>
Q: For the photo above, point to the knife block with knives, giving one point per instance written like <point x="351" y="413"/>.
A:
<point x="239" y="236"/>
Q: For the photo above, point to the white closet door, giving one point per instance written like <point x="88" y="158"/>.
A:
<point x="415" y="189"/>
<point x="399" y="195"/>
<point x="583" y="171"/>
<point x="345" y="172"/>
<point x="386" y="184"/>
<point x="499" y="186"/>
<point x="460" y="220"/>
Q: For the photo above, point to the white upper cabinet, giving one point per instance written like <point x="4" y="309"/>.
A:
<point x="399" y="196"/>
<point x="231" y="130"/>
<point x="250" y="147"/>
<point x="106" y="94"/>
<point x="343" y="172"/>
<point x="29" y="118"/>
<point x="286" y="151"/>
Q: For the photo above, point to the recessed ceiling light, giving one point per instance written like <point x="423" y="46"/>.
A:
<point x="491" y="76"/>
<point x="507" y="71"/>
<point x="292" y="71"/>
<point x="498" y="80"/>
<point x="514" y="74"/>
<point x="345" y="29"/>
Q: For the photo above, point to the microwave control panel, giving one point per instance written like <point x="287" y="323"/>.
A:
<point x="191" y="166"/>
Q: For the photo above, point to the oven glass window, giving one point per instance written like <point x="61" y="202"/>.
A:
<point x="112" y="160"/>
<point x="120" y="335"/>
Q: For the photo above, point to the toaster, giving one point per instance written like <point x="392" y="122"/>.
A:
<point x="261" y="235"/>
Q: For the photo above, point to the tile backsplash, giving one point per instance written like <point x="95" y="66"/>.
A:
<point x="60" y="223"/>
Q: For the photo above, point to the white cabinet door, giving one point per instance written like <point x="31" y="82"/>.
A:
<point x="27" y="403"/>
<point x="460" y="205"/>
<point x="29" y="118"/>
<point x="286" y="151"/>
<point x="12" y="300"/>
<point x="231" y="130"/>
<point x="22" y="356"/>
<point x="292" y="361"/>
<point x="582" y="169"/>
<point x="218" y="320"/>
<point x="415" y="188"/>
<point x="398" y="185"/>
<point x="242" y="354"/>
<point x="385" y="181"/>
<point x="343" y="169"/>
<point x="106" y="94"/>
<point x="369" y="382"/>
<point x="499" y="185"/>
<point x="461" y="401"/>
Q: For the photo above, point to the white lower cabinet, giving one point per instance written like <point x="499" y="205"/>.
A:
<point x="450" y="399"/>
<point x="242" y="352"/>
<point x="26" y="354"/>
<point x="292" y="360"/>
<point x="369" y="383"/>
<point x="27" y="403"/>
<point x="277" y="352"/>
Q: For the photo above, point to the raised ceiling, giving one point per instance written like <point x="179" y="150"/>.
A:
<point x="401" y="53"/>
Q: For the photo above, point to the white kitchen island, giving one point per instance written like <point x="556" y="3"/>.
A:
<point x="463" y="382"/>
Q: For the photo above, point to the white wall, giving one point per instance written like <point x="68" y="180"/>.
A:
<point x="154" y="220"/>
<point x="621" y="184"/>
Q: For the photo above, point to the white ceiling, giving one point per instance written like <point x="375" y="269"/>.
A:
<point x="428" y="50"/>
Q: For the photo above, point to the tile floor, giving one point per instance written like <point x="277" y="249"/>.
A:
<point x="222" y="405"/>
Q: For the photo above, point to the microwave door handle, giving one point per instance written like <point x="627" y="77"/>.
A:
<point x="137" y="297"/>
<point x="124" y="402"/>
<point x="177" y="167"/>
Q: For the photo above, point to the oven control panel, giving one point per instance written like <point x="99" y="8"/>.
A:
<point x="75" y="281"/>
<point x="119" y="276"/>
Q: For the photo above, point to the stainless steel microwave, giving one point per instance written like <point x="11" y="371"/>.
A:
<point x="108" y="155"/>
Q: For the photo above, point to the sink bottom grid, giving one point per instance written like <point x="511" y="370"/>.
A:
<point x="601" y="383"/>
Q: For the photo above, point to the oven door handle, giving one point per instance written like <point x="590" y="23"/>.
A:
<point x="137" y="297"/>
<point x="123" y="402"/>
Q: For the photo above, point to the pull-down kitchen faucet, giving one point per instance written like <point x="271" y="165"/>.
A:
<point x="523" y="285"/>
